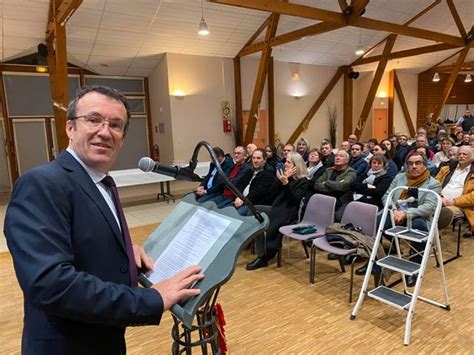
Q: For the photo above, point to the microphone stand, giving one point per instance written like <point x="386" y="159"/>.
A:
<point x="193" y="163"/>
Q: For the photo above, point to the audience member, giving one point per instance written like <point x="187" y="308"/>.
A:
<point x="392" y="167"/>
<point x="458" y="186"/>
<point x="371" y="187"/>
<point x="393" y="138"/>
<point x="250" y="148"/>
<point x="314" y="164"/>
<point x="213" y="184"/>
<point x="302" y="148"/>
<point x="239" y="176"/>
<point x="456" y="130"/>
<point x="372" y="142"/>
<point x="287" y="148"/>
<point x="358" y="162"/>
<point x="466" y="121"/>
<point x="421" y="211"/>
<point x="263" y="184"/>
<point x="352" y="139"/>
<point x="430" y="128"/>
<point x="402" y="148"/>
<point x="345" y="145"/>
<point x="272" y="156"/>
<point x="442" y="155"/>
<point x="391" y="152"/>
<point x="458" y="139"/>
<point x="435" y="144"/>
<point x="431" y="166"/>
<point x="453" y="158"/>
<point x="336" y="181"/>
<point x="327" y="156"/>
<point x="421" y="141"/>
<point x="284" y="210"/>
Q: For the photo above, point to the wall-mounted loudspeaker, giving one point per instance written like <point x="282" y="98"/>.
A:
<point x="353" y="74"/>
<point x="42" y="50"/>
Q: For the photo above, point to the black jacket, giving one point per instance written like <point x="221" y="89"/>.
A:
<point x="218" y="183"/>
<point x="264" y="187"/>
<point x="372" y="196"/>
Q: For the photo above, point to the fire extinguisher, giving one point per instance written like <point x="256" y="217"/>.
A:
<point x="155" y="155"/>
<point x="226" y="125"/>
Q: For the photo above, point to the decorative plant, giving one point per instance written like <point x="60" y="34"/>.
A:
<point x="332" y="115"/>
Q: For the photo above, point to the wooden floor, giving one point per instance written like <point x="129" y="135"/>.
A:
<point x="276" y="310"/>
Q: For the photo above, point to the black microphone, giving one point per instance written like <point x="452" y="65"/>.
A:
<point x="187" y="173"/>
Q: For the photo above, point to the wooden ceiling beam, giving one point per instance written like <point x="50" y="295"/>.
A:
<point x="260" y="80"/>
<point x="406" y="31"/>
<point x="405" y="53"/>
<point x="290" y="9"/>
<point x="451" y="80"/>
<point x="413" y="19"/>
<point x="297" y="10"/>
<point x="292" y="36"/>
<point x="254" y="37"/>
<point x="312" y="111"/>
<point x="457" y="19"/>
<point x="63" y="11"/>
<point x="403" y="104"/>
<point x="374" y="86"/>
<point x="444" y="60"/>
<point x="448" y="68"/>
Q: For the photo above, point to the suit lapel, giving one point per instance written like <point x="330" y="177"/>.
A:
<point x="81" y="178"/>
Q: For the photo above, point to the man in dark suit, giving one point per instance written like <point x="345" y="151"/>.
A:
<point x="70" y="244"/>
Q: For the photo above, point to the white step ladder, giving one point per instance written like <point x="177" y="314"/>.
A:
<point x="406" y="300"/>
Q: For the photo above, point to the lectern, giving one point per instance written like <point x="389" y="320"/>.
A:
<point x="199" y="233"/>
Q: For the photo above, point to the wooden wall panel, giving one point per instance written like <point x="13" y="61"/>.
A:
<point x="429" y="93"/>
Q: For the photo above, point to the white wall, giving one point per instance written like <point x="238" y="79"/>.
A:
<point x="161" y="110"/>
<point x="409" y="84"/>
<point x="206" y="82"/>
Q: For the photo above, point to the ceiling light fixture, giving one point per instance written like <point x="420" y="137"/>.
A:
<point x="436" y="77"/>
<point x="468" y="78"/>
<point x="203" y="29"/>
<point x="360" y="49"/>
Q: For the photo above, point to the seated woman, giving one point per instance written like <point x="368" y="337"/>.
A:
<point x="371" y="187"/>
<point x="392" y="169"/>
<point x="272" y="156"/>
<point x="302" y="147"/>
<point x="442" y="155"/>
<point x="284" y="210"/>
<point x="314" y="164"/>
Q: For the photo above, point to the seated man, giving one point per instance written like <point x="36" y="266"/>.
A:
<point x="358" y="162"/>
<point x="262" y="187"/>
<point x="239" y="176"/>
<point x="327" y="156"/>
<point x="213" y="185"/>
<point x="421" y="141"/>
<point x="287" y="148"/>
<point x="336" y="181"/>
<point x="420" y="211"/>
<point x="458" y="186"/>
<point x="250" y="148"/>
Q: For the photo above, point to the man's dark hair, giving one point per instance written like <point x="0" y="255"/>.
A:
<point x="103" y="90"/>
<point x="361" y="145"/>
<point x="264" y="153"/>
<point x="218" y="151"/>
<point x="418" y="154"/>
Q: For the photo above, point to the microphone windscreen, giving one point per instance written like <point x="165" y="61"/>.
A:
<point x="146" y="164"/>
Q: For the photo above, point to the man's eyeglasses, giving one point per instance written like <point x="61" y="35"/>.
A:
<point x="417" y="163"/>
<point x="95" y="120"/>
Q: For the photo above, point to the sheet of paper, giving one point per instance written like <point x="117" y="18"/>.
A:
<point x="190" y="245"/>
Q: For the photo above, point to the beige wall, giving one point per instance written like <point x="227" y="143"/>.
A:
<point x="360" y="90"/>
<point x="409" y="84"/>
<point x="207" y="81"/>
<point x="161" y="110"/>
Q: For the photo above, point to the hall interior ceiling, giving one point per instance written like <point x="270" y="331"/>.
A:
<point x="124" y="37"/>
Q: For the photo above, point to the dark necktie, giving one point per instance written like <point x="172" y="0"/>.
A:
<point x="110" y="183"/>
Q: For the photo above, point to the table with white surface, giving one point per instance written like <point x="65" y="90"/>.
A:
<point x="135" y="177"/>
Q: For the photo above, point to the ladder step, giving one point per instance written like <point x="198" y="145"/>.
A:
<point x="413" y="235"/>
<point x="391" y="297"/>
<point x="399" y="265"/>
